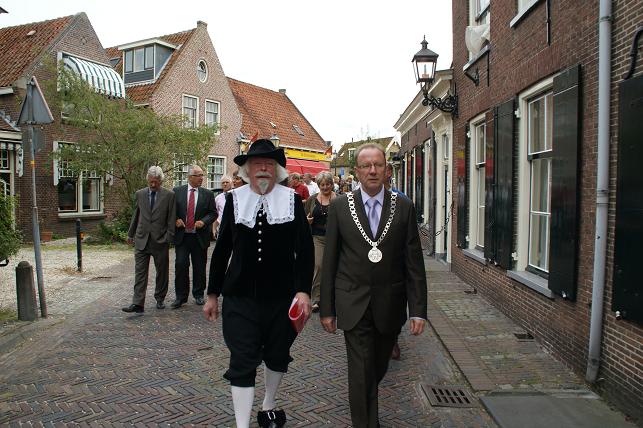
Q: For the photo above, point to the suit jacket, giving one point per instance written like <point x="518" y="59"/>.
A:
<point x="205" y="211"/>
<point x="157" y="224"/>
<point x="351" y="282"/>
<point x="268" y="261"/>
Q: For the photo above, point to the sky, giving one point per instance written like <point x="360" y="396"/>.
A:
<point x="345" y="64"/>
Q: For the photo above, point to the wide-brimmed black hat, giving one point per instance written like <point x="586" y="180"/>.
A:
<point x="263" y="149"/>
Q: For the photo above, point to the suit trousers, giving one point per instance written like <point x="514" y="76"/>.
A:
<point x="160" y="253"/>
<point x="190" y="248"/>
<point x="320" y="243"/>
<point x="368" y="354"/>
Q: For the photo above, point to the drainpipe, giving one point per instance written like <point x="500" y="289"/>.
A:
<point x="602" y="188"/>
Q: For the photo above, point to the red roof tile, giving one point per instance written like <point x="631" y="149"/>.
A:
<point x="142" y="93"/>
<point x="19" y="50"/>
<point x="260" y="106"/>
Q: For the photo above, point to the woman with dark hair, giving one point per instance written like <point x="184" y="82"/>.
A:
<point x="317" y="211"/>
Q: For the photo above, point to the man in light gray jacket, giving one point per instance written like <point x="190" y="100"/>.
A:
<point x="151" y="231"/>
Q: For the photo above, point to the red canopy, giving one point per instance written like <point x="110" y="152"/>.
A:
<point x="303" y="166"/>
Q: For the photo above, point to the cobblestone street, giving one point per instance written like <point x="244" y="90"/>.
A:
<point x="101" y="366"/>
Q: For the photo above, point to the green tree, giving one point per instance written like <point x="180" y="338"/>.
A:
<point x="9" y="237"/>
<point x="114" y="138"/>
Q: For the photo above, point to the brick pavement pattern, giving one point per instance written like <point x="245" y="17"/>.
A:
<point x="101" y="367"/>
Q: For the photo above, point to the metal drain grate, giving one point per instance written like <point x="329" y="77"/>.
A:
<point x="447" y="396"/>
<point x="523" y="337"/>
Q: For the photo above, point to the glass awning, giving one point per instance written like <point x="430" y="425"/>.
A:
<point x="101" y="77"/>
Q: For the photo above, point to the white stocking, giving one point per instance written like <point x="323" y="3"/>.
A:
<point x="272" y="381"/>
<point x="242" y="399"/>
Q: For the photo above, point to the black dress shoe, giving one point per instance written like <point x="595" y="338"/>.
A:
<point x="177" y="304"/>
<point x="271" y="418"/>
<point x="200" y="301"/>
<point x="134" y="308"/>
<point x="160" y="305"/>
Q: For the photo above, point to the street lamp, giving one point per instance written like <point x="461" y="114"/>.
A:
<point x="425" y="61"/>
<point x="275" y="140"/>
<point x="335" y="161"/>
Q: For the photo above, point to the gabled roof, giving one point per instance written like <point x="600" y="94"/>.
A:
<point x="260" y="106"/>
<point x="21" y="45"/>
<point x="142" y="93"/>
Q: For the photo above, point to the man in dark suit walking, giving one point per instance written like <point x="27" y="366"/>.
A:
<point x="195" y="213"/>
<point x="151" y="231"/>
<point x="372" y="268"/>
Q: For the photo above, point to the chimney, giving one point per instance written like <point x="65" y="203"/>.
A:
<point x="282" y="91"/>
<point x="202" y="24"/>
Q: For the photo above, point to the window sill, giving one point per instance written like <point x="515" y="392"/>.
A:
<point x="519" y="17"/>
<point x="533" y="281"/>
<point x="473" y="60"/>
<point x="476" y="255"/>
<point x="86" y="216"/>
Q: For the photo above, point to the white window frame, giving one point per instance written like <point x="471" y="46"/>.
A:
<point x="79" y="211"/>
<point x="198" y="70"/>
<point x="478" y="14"/>
<point x="7" y="188"/>
<point x="196" y="110"/>
<point x="218" y="117"/>
<point x="215" y="184"/>
<point x="180" y="172"/>
<point x="476" y="182"/>
<point x="351" y="154"/>
<point x="524" y="175"/>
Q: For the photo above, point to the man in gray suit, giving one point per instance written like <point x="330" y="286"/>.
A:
<point x="151" y="231"/>
<point x="372" y="268"/>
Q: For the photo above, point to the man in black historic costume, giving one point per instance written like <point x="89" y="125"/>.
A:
<point x="265" y="230"/>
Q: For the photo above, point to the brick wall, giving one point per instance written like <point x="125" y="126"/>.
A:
<point x="622" y="353"/>
<point x="79" y="39"/>
<point x="520" y="57"/>
<point x="183" y="79"/>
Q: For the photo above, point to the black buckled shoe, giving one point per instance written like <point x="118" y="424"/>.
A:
<point x="271" y="418"/>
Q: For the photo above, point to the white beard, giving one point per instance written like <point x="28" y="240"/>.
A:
<point x="263" y="184"/>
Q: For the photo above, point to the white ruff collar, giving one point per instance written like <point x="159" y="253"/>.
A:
<point x="279" y="205"/>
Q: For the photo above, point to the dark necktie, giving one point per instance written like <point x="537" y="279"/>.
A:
<point x="190" y="214"/>
<point x="152" y="200"/>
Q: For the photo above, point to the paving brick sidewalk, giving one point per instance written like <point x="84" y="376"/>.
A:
<point x="99" y="366"/>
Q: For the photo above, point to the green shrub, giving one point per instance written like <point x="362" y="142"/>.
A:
<point x="115" y="230"/>
<point x="9" y="237"/>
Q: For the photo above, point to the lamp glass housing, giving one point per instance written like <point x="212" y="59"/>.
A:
<point x="425" y="61"/>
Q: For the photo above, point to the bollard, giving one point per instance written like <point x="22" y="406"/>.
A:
<point x="26" y="292"/>
<point x="79" y="246"/>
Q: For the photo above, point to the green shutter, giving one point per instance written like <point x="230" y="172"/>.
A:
<point x="462" y="169"/>
<point x="564" y="187"/>
<point x="503" y="190"/>
<point x="627" y="293"/>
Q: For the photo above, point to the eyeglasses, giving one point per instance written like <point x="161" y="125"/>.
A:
<point x="368" y="166"/>
<point x="196" y="175"/>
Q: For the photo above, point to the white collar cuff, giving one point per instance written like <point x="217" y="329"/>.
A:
<point x="279" y="205"/>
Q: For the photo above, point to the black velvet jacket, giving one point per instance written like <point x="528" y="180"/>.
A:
<point x="267" y="261"/>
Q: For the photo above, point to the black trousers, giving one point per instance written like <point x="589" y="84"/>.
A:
<point x="256" y="330"/>
<point x="190" y="249"/>
<point x="368" y="354"/>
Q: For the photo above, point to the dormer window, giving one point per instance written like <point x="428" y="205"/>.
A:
<point x="202" y="71"/>
<point x="139" y="59"/>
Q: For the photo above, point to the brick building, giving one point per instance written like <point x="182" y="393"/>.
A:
<point x="25" y="51"/>
<point x="270" y="114"/>
<point x="426" y="164"/>
<point x="180" y="74"/>
<point x="525" y="147"/>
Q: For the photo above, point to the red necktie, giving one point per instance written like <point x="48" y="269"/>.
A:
<point x="190" y="220"/>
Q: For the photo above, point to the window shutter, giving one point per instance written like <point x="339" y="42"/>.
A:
<point x="503" y="190"/>
<point x="627" y="297"/>
<point x="462" y="166"/>
<point x="564" y="184"/>
<point x="489" y="190"/>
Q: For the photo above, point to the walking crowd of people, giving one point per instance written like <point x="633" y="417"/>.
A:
<point x="346" y="250"/>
